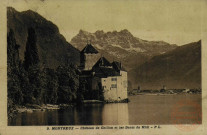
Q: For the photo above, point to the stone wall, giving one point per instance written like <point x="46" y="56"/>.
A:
<point x="115" y="88"/>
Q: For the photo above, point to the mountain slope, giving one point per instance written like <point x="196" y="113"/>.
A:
<point x="122" y="46"/>
<point x="52" y="47"/>
<point x="179" y="68"/>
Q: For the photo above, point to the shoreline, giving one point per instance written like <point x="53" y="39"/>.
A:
<point x="164" y="94"/>
<point x="33" y="107"/>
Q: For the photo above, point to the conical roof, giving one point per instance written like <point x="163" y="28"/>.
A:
<point x="89" y="49"/>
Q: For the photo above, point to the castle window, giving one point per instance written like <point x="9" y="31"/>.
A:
<point x="113" y="79"/>
<point x="113" y="86"/>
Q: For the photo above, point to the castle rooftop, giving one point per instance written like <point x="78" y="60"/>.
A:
<point x="89" y="49"/>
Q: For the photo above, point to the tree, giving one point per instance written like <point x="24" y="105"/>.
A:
<point x="31" y="65"/>
<point x="12" y="51"/>
<point x="31" y="53"/>
<point x="25" y="86"/>
<point x="68" y="81"/>
<point x="35" y="81"/>
<point x="50" y="84"/>
<point x="14" y="90"/>
<point x="82" y="90"/>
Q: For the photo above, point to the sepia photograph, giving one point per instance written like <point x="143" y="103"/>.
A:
<point x="101" y="62"/>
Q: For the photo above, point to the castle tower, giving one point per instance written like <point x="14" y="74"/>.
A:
<point x="88" y="57"/>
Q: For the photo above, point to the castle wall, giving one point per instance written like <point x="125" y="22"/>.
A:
<point x="115" y="87"/>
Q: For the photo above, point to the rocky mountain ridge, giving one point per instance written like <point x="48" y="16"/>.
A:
<point x="122" y="39"/>
<point x="121" y="46"/>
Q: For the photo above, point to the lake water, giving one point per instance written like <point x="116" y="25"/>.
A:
<point x="141" y="110"/>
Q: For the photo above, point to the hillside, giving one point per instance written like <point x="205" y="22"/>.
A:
<point x="52" y="47"/>
<point x="122" y="46"/>
<point x="179" y="68"/>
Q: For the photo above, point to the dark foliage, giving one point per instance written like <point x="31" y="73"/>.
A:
<point x="86" y="92"/>
<point x="50" y="84"/>
<point x="28" y="83"/>
<point x="68" y="81"/>
<point x="31" y="53"/>
<point x="14" y="91"/>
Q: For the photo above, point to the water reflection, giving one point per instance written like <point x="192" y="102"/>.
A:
<point x="88" y="114"/>
<point x="115" y="114"/>
<point x="142" y="109"/>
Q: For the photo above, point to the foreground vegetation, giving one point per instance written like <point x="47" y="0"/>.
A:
<point x="29" y="82"/>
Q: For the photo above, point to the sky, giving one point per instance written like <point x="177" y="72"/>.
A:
<point x="174" y="21"/>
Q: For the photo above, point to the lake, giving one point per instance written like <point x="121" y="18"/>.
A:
<point x="141" y="110"/>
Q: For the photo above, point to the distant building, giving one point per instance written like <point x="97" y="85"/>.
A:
<point x="163" y="89"/>
<point x="138" y="89"/>
<point x="105" y="81"/>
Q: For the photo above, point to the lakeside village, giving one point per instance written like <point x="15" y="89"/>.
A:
<point x="163" y="91"/>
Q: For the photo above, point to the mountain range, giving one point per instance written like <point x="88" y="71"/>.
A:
<point x="121" y="46"/>
<point x="150" y="64"/>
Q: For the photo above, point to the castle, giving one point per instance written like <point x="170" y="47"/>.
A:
<point x="104" y="80"/>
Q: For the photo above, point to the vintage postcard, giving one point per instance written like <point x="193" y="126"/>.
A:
<point x="103" y="67"/>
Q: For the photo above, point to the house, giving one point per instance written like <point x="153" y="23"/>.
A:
<point x="103" y="80"/>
